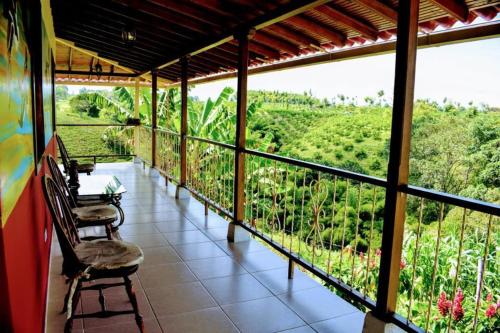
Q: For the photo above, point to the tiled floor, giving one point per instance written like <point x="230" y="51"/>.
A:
<point x="193" y="280"/>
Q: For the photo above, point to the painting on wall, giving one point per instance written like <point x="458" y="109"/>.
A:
<point x="47" y="86"/>
<point x="16" y="119"/>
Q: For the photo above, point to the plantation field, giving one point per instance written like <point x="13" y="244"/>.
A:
<point x="84" y="141"/>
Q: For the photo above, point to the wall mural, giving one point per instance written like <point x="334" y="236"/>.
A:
<point x="16" y="119"/>
<point x="47" y="85"/>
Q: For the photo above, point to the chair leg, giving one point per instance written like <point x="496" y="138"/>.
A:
<point x="68" y="326"/>
<point x="133" y="300"/>
<point x="109" y="231"/>
<point x="66" y="299"/>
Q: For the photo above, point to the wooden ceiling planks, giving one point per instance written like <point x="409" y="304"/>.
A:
<point x="169" y="29"/>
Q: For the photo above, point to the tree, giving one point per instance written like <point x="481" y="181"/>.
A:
<point x="61" y="93"/>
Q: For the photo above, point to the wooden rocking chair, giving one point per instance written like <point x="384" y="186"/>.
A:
<point x="81" y="168"/>
<point x="88" y="261"/>
<point x="87" y="213"/>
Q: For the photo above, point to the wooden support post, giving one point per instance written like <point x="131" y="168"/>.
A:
<point x="397" y="175"/>
<point x="180" y="192"/>
<point x="136" y="115"/>
<point x="184" y="120"/>
<point x="241" y="122"/>
<point x="154" y="113"/>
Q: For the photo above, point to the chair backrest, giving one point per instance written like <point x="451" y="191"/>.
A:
<point x="64" y="222"/>
<point x="59" y="178"/>
<point x="64" y="153"/>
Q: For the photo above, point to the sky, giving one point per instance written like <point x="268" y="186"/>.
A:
<point x="460" y="72"/>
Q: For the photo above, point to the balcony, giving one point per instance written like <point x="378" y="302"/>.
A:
<point x="333" y="284"/>
<point x="193" y="279"/>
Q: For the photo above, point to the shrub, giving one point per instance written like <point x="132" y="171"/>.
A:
<point x="317" y="156"/>
<point x="348" y="147"/>
<point x="361" y="155"/>
<point x="352" y="166"/>
<point x="375" y="165"/>
<point x="339" y="155"/>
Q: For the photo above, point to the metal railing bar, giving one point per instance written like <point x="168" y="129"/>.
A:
<point x="321" y="168"/>
<point x="96" y="125"/>
<point x="216" y="143"/>
<point x="455" y="200"/>
<point x="111" y="155"/>
<point x="164" y="130"/>
<point x="210" y="202"/>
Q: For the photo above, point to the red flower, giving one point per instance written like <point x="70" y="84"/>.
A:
<point x="402" y="264"/>
<point x="491" y="311"/>
<point x="458" y="310"/>
<point x="378" y="252"/>
<point x="443" y="304"/>
<point x="489" y="297"/>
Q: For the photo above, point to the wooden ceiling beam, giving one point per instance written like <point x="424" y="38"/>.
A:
<point x="191" y="11"/>
<point x="281" y="13"/>
<point x="276" y="43"/>
<point x="337" y="38"/>
<point x="223" y="56"/>
<point x="112" y="39"/>
<point x="138" y="63"/>
<point x="70" y="59"/>
<point x="264" y="50"/>
<point x="91" y="53"/>
<point x="365" y="29"/>
<point x="140" y="19"/>
<point x="297" y="37"/>
<point x="95" y="22"/>
<point x="456" y="8"/>
<point x="381" y="9"/>
<point x="169" y="17"/>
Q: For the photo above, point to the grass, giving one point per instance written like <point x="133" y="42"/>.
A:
<point x="80" y="140"/>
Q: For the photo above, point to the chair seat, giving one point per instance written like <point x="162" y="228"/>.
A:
<point x="95" y="213"/>
<point x="109" y="254"/>
<point x="85" y="168"/>
<point x="91" y="202"/>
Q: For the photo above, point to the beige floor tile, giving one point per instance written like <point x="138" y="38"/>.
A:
<point x="201" y="321"/>
<point x="200" y="251"/>
<point x="261" y="261"/>
<point x="144" y="241"/>
<point x="352" y="323"/>
<point x="175" y="225"/>
<point x="215" y="267"/>
<point x="150" y="325"/>
<point x="159" y="255"/>
<point x="235" y="288"/>
<point x="166" y="274"/>
<point x="276" y="280"/>
<point x="186" y="237"/>
<point x="129" y="229"/>
<point x="179" y="298"/>
<point x="263" y="315"/>
<point x="317" y="304"/>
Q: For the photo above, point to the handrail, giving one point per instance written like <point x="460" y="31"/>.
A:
<point x="216" y="143"/>
<point x="322" y="168"/>
<point x="456" y="200"/>
<point x="95" y="125"/>
<point x="164" y="130"/>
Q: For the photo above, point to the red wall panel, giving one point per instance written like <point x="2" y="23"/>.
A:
<point x="24" y="259"/>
